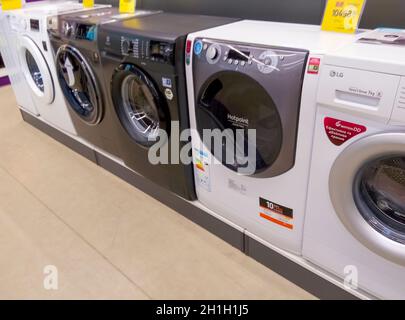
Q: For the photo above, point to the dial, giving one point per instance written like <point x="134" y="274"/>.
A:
<point x="213" y="53"/>
<point x="268" y="62"/>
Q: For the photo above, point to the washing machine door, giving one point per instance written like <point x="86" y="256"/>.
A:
<point x="36" y="70"/>
<point x="79" y="85"/>
<point x="140" y="106"/>
<point x="235" y="103"/>
<point x="367" y="189"/>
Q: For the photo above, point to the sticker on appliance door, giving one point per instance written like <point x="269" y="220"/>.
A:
<point x="202" y="171"/>
<point x="276" y="213"/>
<point x="339" y="131"/>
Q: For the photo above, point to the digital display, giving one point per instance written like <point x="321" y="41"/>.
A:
<point x="238" y="55"/>
<point x="160" y="51"/>
<point x="86" y="32"/>
<point x="34" y="25"/>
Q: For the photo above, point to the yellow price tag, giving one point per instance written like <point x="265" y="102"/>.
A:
<point x="11" y="4"/>
<point x="127" y="6"/>
<point x="88" y="3"/>
<point x="343" y="15"/>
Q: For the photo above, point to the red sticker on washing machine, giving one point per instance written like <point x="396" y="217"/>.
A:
<point x="340" y="131"/>
<point x="313" y="65"/>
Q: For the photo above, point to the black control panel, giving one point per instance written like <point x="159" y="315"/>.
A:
<point x="138" y="47"/>
<point x="34" y="25"/>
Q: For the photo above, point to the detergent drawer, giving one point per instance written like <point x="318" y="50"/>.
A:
<point x="369" y="94"/>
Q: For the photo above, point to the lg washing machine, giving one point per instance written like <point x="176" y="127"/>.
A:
<point x="144" y="61"/>
<point x="355" y="219"/>
<point x="252" y="88"/>
<point x="80" y="75"/>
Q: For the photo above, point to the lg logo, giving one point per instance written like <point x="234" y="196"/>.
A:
<point x="335" y="74"/>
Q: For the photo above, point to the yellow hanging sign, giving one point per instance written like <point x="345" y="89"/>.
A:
<point x="127" y="6"/>
<point x="11" y="4"/>
<point x="343" y="15"/>
<point x="88" y="3"/>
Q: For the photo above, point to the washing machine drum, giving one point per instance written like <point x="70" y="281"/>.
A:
<point x="140" y="106"/>
<point x="79" y="84"/>
<point x="381" y="196"/>
<point x="237" y="105"/>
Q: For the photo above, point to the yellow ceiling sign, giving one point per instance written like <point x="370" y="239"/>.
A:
<point x="343" y="15"/>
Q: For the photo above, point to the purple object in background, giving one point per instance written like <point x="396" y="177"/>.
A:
<point x="4" y="81"/>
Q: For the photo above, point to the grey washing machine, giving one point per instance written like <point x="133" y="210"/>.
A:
<point x="79" y="70"/>
<point x="247" y="98"/>
<point x="144" y="68"/>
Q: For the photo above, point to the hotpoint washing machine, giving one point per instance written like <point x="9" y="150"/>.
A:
<point x="143" y="60"/>
<point x="8" y="50"/>
<point x="80" y="75"/>
<point x="37" y="58"/>
<point x="262" y="78"/>
<point x="355" y="219"/>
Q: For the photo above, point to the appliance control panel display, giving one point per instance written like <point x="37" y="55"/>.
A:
<point x="79" y="31"/>
<point x="34" y="25"/>
<point x="265" y="60"/>
<point x="86" y="32"/>
<point x="138" y="47"/>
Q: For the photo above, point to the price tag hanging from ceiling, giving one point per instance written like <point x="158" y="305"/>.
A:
<point x="11" y="4"/>
<point x="127" y="6"/>
<point x="343" y="15"/>
<point x="88" y="3"/>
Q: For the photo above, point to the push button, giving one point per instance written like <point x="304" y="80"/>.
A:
<point x="198" y="47"/>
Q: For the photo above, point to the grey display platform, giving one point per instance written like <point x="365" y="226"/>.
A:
<point x="290" y="270"/>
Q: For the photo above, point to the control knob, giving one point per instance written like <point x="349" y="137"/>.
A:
<point x="213" y="53"/>
<point x="268" y="62"/>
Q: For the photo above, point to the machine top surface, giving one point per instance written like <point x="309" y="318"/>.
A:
<point x="167" y="26"/>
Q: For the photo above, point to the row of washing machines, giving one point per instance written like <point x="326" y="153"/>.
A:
<point x="328" y="180"/>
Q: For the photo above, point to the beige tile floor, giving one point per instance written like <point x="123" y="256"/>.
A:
<point x="107" y="239"/>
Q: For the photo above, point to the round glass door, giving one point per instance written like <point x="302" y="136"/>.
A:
<point x="79" y="84"/>
<point x="367" y="191"/>
<point x="380" y="196"/>
<point x="235" y="103"/>
<point x="36" y="71"/>
<point x="141" y="109"/>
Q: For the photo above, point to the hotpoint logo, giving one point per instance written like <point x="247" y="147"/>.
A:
<point x="237" y="119"/>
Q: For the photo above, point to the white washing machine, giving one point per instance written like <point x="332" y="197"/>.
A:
<point x="262" y="76"/>
<point x="12" y="64"/>
<point x="36" y="58"/>
<point x="355" y="219"/>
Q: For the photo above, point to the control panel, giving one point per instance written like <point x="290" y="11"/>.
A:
<point x="138" y="47"/>
<point x="265" y="60"/>
<point x="34" y="24"/>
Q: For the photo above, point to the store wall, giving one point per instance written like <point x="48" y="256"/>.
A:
<point x="387" y="13"/>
